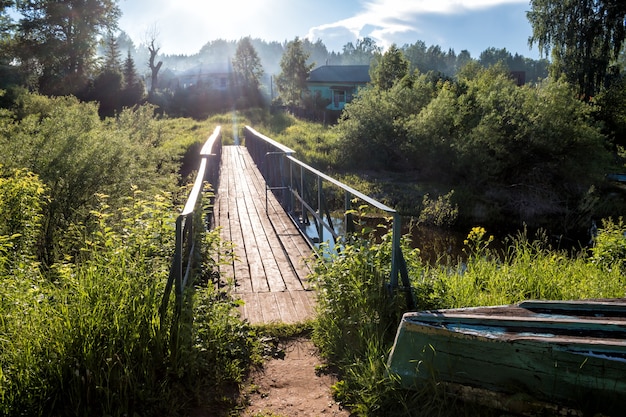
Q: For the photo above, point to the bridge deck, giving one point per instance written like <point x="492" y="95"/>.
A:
<point x="268" y="271"/>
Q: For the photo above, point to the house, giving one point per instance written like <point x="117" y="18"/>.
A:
<point x="217" y="76"/>
<point x="338" y="83"/>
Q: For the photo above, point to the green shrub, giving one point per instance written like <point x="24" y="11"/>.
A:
<point x="609" y="245"/>
<point x="358" y="317"/>
<point x="356" y="322"/>
<point x="22" y="198"/>
<point x="77" y="155"/>
<point x="87" y="337"/>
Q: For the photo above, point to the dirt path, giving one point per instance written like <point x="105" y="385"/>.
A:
<point x="291" y="387"/>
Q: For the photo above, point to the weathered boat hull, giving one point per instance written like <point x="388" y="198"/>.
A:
<point x="565" y="353"/>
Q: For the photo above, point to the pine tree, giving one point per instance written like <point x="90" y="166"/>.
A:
<point x="392" y="66"/>
<point x="292" y="79"/>
<point x="111" y="54"/>
<point x="134" y="89"/>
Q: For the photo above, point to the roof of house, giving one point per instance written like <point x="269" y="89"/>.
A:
<point x="353" y="74"/>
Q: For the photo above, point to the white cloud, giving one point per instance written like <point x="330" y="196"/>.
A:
<point x="185" y="26"/>
<point x="382" y="20"/>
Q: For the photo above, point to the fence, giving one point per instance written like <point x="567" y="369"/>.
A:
<point x="189" y="221"/>
<point x="303" y="192"/>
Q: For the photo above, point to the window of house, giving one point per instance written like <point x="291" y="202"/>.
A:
<point x="339" y="96"/>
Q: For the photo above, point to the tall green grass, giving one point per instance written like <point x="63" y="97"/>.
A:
<point x="358" y="316"/>
<point x="85" y="338"/>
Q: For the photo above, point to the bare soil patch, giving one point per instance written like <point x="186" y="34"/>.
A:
<point x="291" y="386"/>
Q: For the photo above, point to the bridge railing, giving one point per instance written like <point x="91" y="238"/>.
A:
<point x="305" y="194"/>
<point x="190" y="221"/>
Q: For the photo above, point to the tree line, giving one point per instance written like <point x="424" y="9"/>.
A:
<point x="76" y="48"/>
<point x="536" y="154"/>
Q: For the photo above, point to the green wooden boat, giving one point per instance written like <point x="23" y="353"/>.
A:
<point x="569" y="354"/>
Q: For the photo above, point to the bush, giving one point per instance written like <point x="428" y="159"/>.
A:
<point x="22" y="199"/>
<point x="82" y="334"/>
<point x="530" y="153"/>
<point x="609" y="245"/>
<point x="76" y="156"/>
<point x="356" y="323"/>
<point x="89" y="340"/>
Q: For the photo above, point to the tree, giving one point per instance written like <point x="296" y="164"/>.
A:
<point x="462" y="59"/>
<point x="6" y="22"/>
<point x="153" y="48"/>
<point x="372" y="125"/>
<point x="8" y="74"/>
<point x="56" y="40"/>
<point x="390" y="68"/>
<point x="106" y="91"/>
<point x="362" y="53"/>
<point x="134" y="88"/>
<point x="248" y="71"/>
<point x="294" y="72"/>
<point x="112" y="54"/>
<point x="492" y="56"/>
<point x="317" y="51"/>
<point x="107" y="86"/>
<point x="583" y="35"/>
<point x="125" y="43"/>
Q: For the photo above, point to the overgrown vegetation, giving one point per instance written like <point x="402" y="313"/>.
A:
<point x="531" y="153"/>
<point x="358" y="316"/>
<point x="87" y="211"/>
<point x="87" y="204"/>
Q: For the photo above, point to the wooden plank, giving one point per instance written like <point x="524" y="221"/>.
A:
<point x="226" y="270"/>
<point x="252" y="254"/>
<point x="291" y="268"/>
<point x="264" y="240"/>
<point x="251" y="308"/>
<point x="232" y="229"/>
<point x="545" y="323"/>
<point x="268" y="270"/>
<point x="304" y="303"/>
<point x="284" y="235"/>
<point x="260" y="241"/>
<point x="283" y="223"/>
<point x="596" y="308"/>
<point x="269" y="307"/>
<point x="286" y="307"/>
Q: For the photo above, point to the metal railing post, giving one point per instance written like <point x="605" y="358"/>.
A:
<point x="320" y="210"/>
<point x="395" y="248"/>
<point x="347" y="217"/>
<point x="292" y="198"/>
<point x="178" y="262"/>
<point x="302" y="195"/>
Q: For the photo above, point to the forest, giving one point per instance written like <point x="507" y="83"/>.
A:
<point x="97" y="158"/>
<point x="111" y="69"/>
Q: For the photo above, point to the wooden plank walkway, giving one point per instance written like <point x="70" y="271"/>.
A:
<point x="268" y="269"/>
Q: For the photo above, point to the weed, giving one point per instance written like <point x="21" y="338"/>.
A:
<point x="357" y="316"/>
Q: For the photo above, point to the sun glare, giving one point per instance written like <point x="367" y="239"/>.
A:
<point x="224" y="11"/>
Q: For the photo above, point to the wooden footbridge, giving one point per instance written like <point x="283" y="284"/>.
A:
<point x="269" y="269"/>
<point x="275" y="210"/>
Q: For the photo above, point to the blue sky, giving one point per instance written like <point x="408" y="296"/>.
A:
<point x="183" y="27"/>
